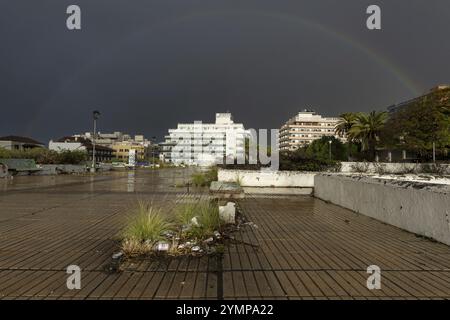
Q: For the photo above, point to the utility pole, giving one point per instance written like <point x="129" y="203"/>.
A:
<point x="95" y="115"/>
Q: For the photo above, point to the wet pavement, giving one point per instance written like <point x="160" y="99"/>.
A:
<point x="298" y="247"/>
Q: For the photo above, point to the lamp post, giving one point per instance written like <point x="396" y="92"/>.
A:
<point x="95" y="115"/>
<point x="329" y="147"/>
<point x="434" y="152"/>
<point x="153" y="139"/>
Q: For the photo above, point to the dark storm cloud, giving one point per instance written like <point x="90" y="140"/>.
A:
<point x="148" y="65"/>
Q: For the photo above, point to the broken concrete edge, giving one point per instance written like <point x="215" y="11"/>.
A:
<point x="395" y="183"/>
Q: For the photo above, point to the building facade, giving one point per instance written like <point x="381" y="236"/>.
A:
<point x="19" y="143"/>
<point x="102" y="153"/>
<point x="121" y="144"/>
<point x="403" y="105"/>
<point x="205" y="143"/>
<point x="122" y="151"/>
<point x="304" y="128"/>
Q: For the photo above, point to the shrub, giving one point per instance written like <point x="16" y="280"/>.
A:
<point x="380" y="168"/>
<point x="407" y="169"/>
<point x="300" y="161"/>
<point x="319" y="149"/>
<point x="71" y="157"/>
<point x="360" y="167"/>
<point x="45" y="156"/>
<point x="433" y="168"/>
<point x="198" y="179"/>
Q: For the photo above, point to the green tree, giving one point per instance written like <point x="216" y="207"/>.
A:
<point x="367" y="129"/>
<point x="422" y="123"/>
<point x="320" y="149"/>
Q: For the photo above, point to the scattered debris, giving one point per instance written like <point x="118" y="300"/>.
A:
<point x="227" y="213"/>
<point x="251" y="224"/>
<point x="209" y="240"/>
<point x="117" y="255"/>
<point x="186" y="238"/>
<point x="162" y="246"/>
<point x="194" y="222"/>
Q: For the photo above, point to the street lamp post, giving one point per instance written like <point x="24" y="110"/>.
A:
<point x="434" y="152"/>
<point x="153" y="140"/>
<point x="95" y="115"/>
<point x="329" y="148"/>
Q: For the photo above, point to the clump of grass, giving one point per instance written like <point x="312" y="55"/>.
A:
<point x="238" y="180"/>
<point x="146" y="226"/>
<point x="132" y="247"/>
<point x="206" y="214"/>
<point x="203" y="179"/>
<point x="208" y="217"/>
<point x="199" y="179"/>
<point x="180" y="185"/>
<point x="184" y="213"/>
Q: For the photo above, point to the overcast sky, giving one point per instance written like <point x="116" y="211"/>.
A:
<point x="147" y="65"/>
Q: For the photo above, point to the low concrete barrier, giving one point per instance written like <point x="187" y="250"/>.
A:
<point x="104" y="167"/>
<point x="3" y="170"/>
<point x="391" y="167"/>
<point x="417" y="207"/>
<point x="53" y="169"/>
<point x="266" y="178"/>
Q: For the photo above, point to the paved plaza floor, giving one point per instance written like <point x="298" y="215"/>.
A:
<point x="298" y="247"/>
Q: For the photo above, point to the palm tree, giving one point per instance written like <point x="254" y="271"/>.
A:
<point x="366" y="129"/>
<point x="345" y="123"/>
<point x="343" y="126"/>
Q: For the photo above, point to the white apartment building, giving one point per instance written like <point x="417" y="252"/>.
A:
<point x="304" y="128"/>
<point x="205" y="143"/>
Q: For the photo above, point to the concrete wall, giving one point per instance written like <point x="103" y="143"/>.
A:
<point x="253" y="178"/>
<point x="103" y="167"/>
<point x="420" y="208"/>
<point x="66" y="146"/>
<point x="387" y="167"/>
<point x="3" y="171"/>
<point x="52" y="169"/>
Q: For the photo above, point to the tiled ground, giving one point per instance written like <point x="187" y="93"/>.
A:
<point x="300" y="248"/>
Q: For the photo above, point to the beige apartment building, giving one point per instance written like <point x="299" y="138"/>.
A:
<point x="304" y="128"/>
<point x="122" y="150"/>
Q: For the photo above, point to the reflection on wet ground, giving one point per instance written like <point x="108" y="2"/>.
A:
<point x="298" y="246"/>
